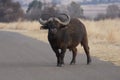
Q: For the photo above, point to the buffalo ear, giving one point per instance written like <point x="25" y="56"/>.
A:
<point x="43" y="27"/>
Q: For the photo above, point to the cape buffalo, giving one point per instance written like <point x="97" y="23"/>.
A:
<point x="64" y="35"/>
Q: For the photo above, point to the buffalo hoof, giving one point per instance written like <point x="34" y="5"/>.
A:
<point x="60" y="65"/>
<point x="89" y="61"/>
<point x="72" y="62"/>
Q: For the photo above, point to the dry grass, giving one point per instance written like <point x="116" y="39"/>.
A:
<point x="107" y="30"/>
<point x="103" y="36"/>
<point x="26" y="25"/>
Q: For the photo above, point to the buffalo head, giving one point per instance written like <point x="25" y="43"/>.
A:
<point x="54" y="24"/>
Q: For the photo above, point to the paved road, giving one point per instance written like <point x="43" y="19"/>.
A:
<point x="24" y="58"/>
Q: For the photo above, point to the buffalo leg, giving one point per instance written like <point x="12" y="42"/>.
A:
<point x="87" y="54"/>
<point x="58" y="56"/>
<point x="86" y="48"/>
<point x="74" y="52"/>
<point x="62" y="56"/>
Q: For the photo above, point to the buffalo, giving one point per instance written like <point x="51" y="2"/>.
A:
<point x="66" y="34"/>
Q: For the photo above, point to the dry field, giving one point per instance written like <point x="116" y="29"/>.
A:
<point x="104" y="39"/>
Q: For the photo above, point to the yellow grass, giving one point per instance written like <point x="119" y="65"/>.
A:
<point x="26" y="25"/>
<point x="104" y="40"/>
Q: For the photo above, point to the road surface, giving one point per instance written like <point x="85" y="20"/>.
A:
<point x="24" y="58"/>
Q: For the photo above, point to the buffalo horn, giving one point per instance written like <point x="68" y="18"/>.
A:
<point x="42" y="21"/>
<point x="65" y="22"/>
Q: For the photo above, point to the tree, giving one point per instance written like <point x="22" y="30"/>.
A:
<point x="49" y="11"/>
<point x="75" y="10"/>
<point x="10" y="11"/>
<point x="113" y="11"/>
<point x="100" y="16"/>
<point x="34" y="10"/>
